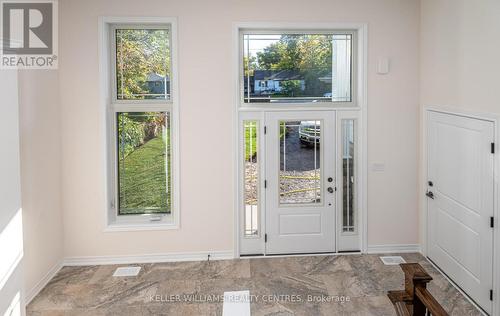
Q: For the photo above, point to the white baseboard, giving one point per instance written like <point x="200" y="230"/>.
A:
<point x="153" y="258"/>
<point x="30" y="295"/>
<point x="372" y="249"/>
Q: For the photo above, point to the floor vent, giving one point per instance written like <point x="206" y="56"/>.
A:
<point x="236" y="303"/>
<point x="392" y="260"/>
<point x="127" y="271"/>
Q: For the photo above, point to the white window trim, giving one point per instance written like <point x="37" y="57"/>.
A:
<point x="112" y="221"/>
<point x="318" y="28"/>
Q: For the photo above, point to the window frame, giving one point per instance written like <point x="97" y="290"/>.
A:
<point x="114" y="106"/>
<point x="353" y="104"/>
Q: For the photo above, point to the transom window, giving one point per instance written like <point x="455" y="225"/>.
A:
<point x="297" y="67"/>
<point x="141" y="133"/>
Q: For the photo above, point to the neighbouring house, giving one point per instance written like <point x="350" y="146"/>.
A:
<point x="158" y="85"/>
<point x="271" y="81"/>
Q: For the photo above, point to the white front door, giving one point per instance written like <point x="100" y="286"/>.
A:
<point x="460" y="203"/>
<point x="300" y="182"/>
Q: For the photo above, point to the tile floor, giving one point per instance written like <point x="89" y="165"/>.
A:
<point x="308" y="285"/>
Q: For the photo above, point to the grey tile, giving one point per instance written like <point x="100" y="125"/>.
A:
<point x="228" y="269"/>
<point x="278" y="286"/>
<point x="353" y="285"/>
<point x="369" y="306"/>
<point x="270" y="267"/>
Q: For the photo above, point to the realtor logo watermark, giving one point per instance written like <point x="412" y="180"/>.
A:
<point x="29" y="34"/>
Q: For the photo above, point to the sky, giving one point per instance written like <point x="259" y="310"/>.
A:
<point x="255" y="43"/>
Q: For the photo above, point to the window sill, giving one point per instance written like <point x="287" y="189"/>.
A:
<point x="118" y="225"/>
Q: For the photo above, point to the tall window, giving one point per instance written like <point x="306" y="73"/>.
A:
<point x="141" y="121"/>
<point x="297" y="67"/>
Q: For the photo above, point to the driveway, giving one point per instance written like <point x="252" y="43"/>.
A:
<point x="298" y="157"/>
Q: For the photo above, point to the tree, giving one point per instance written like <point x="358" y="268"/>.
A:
<point x="291" y="88"/>
<point x="308" y="54"/>
<point x="139" y="53"/>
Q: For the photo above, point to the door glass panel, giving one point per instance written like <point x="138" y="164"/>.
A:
<point x="348" y="175"/>
<point x="300" y="162"/>
<point x="251" y="191"/>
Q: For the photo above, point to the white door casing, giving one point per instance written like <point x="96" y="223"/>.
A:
<point x="294" y="227"/>
<point x="460" y="175"/>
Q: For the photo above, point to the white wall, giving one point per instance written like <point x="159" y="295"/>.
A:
<point x="459" y="69"/>
<point x="40" y="175"/>
<point x="460" y="52"/>
<point x="460" y="64"/>
<point x="11" y="227"/>
<point x="205" y="49"/>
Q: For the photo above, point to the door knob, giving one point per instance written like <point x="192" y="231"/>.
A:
<point x="330" y="189"/>
<point x="430" y="194"/>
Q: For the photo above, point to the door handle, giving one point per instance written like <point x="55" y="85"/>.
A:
<point x="330" y="190"/>
<point x="430" y="194"/>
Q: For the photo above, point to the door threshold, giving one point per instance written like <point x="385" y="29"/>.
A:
<point x="301" y="254"/>
<point x="252" y="255"/>
<point x="305" y="254"/>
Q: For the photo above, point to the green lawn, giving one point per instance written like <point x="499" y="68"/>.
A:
<point x="250" y="139"/>
<point x="251" y="145"/>
<point x="143" y="179"/>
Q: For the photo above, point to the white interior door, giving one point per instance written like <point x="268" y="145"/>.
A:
<point x="300" y="182"/>
<point x="460" y="203"/>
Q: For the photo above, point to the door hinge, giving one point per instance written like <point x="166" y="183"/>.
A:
<point x="492" y="148"/>
<point x="491" y="295"/>
<point x="265" y="130"/>
<point x="265" y="237"/>
<point x="265" y="184"/>
<point x="492" y="222"/>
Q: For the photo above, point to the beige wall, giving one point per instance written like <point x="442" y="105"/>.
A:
<point x="460" y="52"/>
<point x="205" y="49"/>
<point x="460" y="63"/>
<point x="11" y="226"/>
<point x="40" y="173"/>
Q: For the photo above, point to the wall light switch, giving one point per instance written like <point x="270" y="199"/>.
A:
<point x="378" y="166"/>
<point x="383" y="66"/>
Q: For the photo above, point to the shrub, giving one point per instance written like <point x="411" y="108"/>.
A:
<point x="131" y="134"/>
